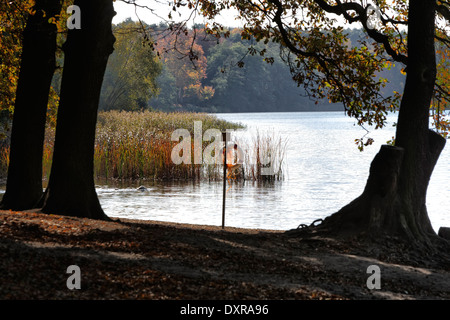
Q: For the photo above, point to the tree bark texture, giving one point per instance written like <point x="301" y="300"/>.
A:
<point x="394" y="199"/>
<point x="37" y="66"/>
<point x="71" y="188"/>
<point x="444" y="232"/>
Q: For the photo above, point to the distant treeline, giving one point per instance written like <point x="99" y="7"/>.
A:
<point x="204" y="74"/>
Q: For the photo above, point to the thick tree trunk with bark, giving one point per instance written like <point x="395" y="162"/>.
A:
<point x="24" y="181"/>
<point x="71" y="188"/>
<point x="394" y="200"/>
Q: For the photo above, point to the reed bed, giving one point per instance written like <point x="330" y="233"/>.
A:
<point x="269" y="150"/>
<point x="138" y="146"/>
<point x="4" y="161"/>
<point x="46" y="157"/>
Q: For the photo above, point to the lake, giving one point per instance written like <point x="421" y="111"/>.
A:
<point x="324" y="172"/>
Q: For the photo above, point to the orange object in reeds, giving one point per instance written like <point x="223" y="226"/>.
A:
<point x="138" y="145"/>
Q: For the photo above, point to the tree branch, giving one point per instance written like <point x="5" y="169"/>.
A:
<point x="283" y="31"/>
<point x="343" y="8"/>
<point x="444" y="11"/>
<point x="442" y="92"/>
<point x="445" y="41"/>
<point x="323" y="62"/>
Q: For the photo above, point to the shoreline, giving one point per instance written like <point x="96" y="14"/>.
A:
<point x="153" y="260"/>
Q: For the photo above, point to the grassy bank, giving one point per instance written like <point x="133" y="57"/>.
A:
<point x="138" y="146"/>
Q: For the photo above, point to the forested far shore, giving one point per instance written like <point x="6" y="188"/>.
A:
<point x="177" y="72"/>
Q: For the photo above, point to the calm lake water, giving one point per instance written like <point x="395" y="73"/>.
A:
<point x="324" y="172"/>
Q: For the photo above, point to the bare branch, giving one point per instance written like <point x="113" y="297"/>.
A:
<point x="327" y="65"/>
<point x="284" y="34"/>
<point x="343" y="8"/>
<point x="444" y="94"/>
<point x="392" y="21"/>
<point x="136" y="6"/>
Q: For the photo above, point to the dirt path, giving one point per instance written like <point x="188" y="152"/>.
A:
<point x="132" y="259"/>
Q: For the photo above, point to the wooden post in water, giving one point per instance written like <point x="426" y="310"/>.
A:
<point x="225" y="137"/>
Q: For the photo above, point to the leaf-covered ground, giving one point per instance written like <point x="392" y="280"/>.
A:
<point x="130" y="259"/>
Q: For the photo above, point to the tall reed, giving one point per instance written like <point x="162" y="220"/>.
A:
<point x="46" y="157"/>
<point x="138" y="146"/>
<point x="264" y="156"/>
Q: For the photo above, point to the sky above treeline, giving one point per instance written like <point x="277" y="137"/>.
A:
<point x="157" y="11"/>
<point x="154" y="12"/>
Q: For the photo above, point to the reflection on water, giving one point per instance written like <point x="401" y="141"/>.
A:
<point x="325" y="171"/>
<point x="200" y="203"/>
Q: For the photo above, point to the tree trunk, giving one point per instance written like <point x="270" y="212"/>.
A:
<point x="24" y="181"/>
<point x="71" y="188"/>
<point x="394" y="199"/>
